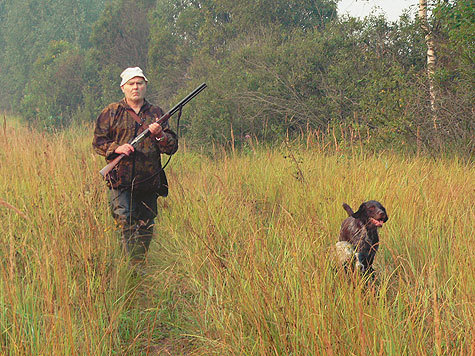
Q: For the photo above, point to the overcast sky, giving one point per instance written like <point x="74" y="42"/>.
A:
<point x="392" y="8"/>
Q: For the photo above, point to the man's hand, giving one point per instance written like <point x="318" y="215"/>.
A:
<point x="156" y="130"/>
<point x="125" y="149"/>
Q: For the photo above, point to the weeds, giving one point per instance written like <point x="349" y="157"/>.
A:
<point x="242" y="261"/>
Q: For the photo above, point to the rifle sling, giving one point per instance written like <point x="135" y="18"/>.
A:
<point x="137" y="118"/>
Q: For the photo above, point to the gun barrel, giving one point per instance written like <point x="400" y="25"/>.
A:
<point x="185" y="100"/>
<point x="170" y="113"/>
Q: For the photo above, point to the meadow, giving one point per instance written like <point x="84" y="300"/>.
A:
<point x="241" y="262"/>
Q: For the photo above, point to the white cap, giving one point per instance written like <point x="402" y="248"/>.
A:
<point x="130" y="73"/>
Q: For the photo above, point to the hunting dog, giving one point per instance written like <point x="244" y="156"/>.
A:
<point x="359" y="240"/>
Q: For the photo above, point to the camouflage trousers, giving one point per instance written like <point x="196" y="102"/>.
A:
<point x="134" y="213"/>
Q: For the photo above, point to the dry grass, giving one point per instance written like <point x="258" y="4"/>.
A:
<point x="242" y="262"/>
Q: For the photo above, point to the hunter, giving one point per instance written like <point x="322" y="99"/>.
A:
<point x="139" y="179"/>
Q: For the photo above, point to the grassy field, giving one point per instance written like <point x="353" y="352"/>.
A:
<point x="242" y="260"/>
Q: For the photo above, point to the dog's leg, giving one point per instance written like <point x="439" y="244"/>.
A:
<point x="360" y="266"/>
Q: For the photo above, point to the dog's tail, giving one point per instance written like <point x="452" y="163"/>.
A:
<point x="348" y="209"/>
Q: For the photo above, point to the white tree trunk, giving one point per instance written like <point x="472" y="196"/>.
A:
<point x="431" y="58"/>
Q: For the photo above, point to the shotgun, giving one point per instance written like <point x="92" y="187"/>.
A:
<point x="110" y="166"/>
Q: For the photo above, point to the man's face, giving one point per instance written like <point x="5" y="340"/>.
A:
<point x="135" y="89"/>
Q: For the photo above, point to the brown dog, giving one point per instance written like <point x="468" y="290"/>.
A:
<point x="359" y="240"/>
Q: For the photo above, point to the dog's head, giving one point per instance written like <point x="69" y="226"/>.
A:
<point x="372" y="213"/>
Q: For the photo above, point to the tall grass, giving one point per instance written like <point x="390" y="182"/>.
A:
<point x="242" y="260"/>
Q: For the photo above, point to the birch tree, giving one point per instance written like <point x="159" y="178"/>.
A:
<point x="431" y="59"/>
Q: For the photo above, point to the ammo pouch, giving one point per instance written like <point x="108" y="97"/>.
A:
<point x="156" y="183"/>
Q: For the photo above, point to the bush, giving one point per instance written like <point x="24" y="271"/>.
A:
<point x="55" y="91"/>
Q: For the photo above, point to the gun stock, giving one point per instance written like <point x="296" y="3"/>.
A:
<point x="110" y="166"/>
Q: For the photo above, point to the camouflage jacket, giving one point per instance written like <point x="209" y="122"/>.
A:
<point x="142" y="170"/>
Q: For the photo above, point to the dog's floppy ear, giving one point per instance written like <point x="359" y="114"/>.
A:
<point x="361" y="214"/>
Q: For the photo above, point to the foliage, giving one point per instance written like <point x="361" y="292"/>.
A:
<point x="273" y="68"/>
<point x="120" y="36"/>
<point x="455" y="74"/>
<point x="350" y="73"/>
<point x="27" y="27"/>
<point x="52" y="96"/>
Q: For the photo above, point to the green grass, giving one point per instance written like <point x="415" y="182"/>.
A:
<point x="242" y="261"/>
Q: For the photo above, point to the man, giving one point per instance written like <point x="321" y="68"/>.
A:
<point x="138" y="179"/>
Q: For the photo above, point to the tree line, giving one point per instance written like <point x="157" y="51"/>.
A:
<point x="273" y="68"/>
